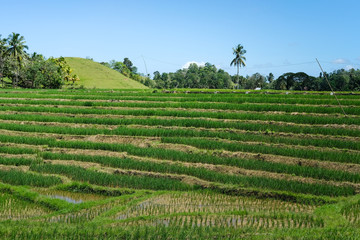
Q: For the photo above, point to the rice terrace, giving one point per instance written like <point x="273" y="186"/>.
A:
<point x="184" y="164"/>
<point x="188" y="120"/>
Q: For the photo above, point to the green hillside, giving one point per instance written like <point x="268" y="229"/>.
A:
<point x="93" y="74"/>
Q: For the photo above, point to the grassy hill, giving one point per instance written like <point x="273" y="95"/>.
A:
<point x="93" y="74"/>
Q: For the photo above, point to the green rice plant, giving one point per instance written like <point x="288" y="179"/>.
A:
<point x="17" y="150"/>
<point x="128" y="163"/>
<point x="105" y="179"/>
<point x="181" y="133"/>
<point x="132" y="232"/>
<point x="171" y="99"/>
<point x="351" y="210"/>
<point x="119" y="95"/>
<point x="260" y="107"/>
<point x="220" y="124"/>
<point x="26" y="178"/>
<point x="188" y="114"/>
<point x="293" y="152"/>
<point x="245" y="137"/>
<point x="13" y="208"/>
<point x="209" y="175"/>
<point x="78" y="187"/>
<point x="182" y="156"/>
<point x="16" y="161"/>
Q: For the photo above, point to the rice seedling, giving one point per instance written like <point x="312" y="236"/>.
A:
<point x="16" y="209"/>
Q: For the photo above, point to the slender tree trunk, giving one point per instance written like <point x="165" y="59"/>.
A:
<point x="237" y="76"/>
<point x="16" y="78"/>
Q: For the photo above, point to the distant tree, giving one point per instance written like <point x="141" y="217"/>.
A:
<point x="270" y="78"/>
<point x="177" y="79"/>
<point x="192" y="77"/>
<point x="223" y="79"/>
<point x="239" y="60"/>
<point x="120" y="67"/>
<point x="354" y="82"/>
<point x="159" y="83"/>
<point x="302" y="81"/>
<point x="239" y="81"/>
<point x="157" y="75"/>
<point x="106" y="64"/>
<point x="149" y="83"/>
<point x="284" y="82"/>
<point x="165" y="77"/>
<point x="16" y="50"/>
<point x="41" y="73"/>
<point x="255" y="81"/>
<point x="339" y="82"/>
<point x="16" y="47"/>
<point x="3" y="49"/>
<point x="129" y="65"/>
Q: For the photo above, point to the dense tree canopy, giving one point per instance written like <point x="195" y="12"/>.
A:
<point x="194" y="76"/>
<point x="340" y="80"/>
<point x="30" y="71"/>
<point x="209" y="77"/>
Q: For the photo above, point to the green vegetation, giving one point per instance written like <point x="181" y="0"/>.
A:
<point x="139" y="164"/>
<point x="30" y="71"/>
<point x="95" y="75"/>
<point x="23" y="178"/>
<point x="239" y="60"/>
<point x="20" y="69"/>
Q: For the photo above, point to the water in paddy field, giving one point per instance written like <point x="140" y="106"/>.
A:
<point x="68" y="199"/>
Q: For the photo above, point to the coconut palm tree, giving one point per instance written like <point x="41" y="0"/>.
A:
<point x="239" y="60"/>
<point x="16" y="50"/>
<point x="3" y="49"/>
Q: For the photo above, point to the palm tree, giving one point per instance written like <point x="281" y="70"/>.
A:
<point x="2" y="57"/>
<point x="239" y="59"/>
<point x="17" y="46"/>
<point x="16" y="51"/>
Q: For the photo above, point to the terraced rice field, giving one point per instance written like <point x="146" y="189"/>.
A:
<point x="84" y="164"/>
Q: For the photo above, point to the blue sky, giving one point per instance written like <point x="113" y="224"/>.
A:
<point x="279" y="36"/>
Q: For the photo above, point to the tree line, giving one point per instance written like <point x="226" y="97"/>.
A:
<point x="21" y="69"/>
<point x="209" y="76"/>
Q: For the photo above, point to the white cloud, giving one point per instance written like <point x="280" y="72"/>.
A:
<point x="348" y="67"/>
<point x="340" y="61"/>
<point x="187" y="65"/>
